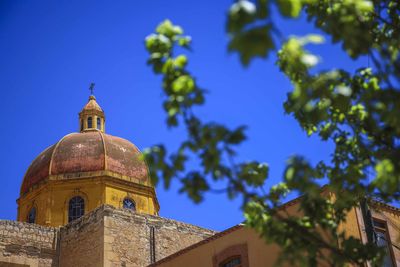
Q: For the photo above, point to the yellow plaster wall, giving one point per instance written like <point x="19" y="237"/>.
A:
<point x="37" y="199"/>
<point x="351" y="227"/>
<point x="144" y="201"/>
<point x="51" y="199"/>
<point x="84" y="119"/>
<point x="260" y="254"/>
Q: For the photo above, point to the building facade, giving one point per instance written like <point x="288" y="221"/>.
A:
<point x="242" y="247"/>
<point x="88" y="201"/>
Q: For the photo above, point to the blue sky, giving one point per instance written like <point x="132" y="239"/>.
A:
<point x="52" y="50"/>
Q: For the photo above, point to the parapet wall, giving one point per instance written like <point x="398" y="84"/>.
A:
<point x="23" y="244"/>
<point x="105" y="237"/>
<point x="132" y="239"/>
<point x="82" y="241"/>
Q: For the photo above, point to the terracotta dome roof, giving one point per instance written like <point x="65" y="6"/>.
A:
<point x="85" y="152"/>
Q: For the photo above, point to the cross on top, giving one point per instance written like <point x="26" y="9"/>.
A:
<point x="91" y="88"/>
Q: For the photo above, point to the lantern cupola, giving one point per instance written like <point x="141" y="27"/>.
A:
<point x="92" y="116"/>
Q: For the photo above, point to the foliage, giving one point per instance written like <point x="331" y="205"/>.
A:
<point x="359" y="112"/>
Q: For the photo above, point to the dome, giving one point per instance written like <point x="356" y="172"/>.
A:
<point x="84" y="170"/>
<point x="79" y="155"/>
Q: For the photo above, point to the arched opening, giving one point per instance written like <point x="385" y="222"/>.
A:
<point x="32" y="215"/>
<point x="233" y="256"/>
<point x="81" y="125"/>
<point x="129" y="204"/>
<point x="90" y="122"/>
<point x="76" y="208"/>
<point x="98" y="124"/>
<point x="232" y="262"/>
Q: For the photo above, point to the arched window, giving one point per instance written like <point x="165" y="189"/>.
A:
<point x="76" y="208"/>
<point x="89" y="122"/>
<point x="32" y="215"/>
<point x="233" y="256"/>
<point x="129" y="204"/>
<point x="232" y="262"/>
<point x="98" y="124"/>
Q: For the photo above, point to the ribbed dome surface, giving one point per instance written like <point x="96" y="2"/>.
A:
<point x="87" y="152"/>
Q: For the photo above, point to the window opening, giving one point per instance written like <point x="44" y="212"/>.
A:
<point x="89" y="122"/>
<point x="232" y="262"/>
<point x="76" y="208"/>
<point x="32" y="215"/>
<point x="382" y="240"/>
<point x="129" y="204"/>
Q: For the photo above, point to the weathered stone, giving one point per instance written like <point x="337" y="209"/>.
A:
<point x="105" y="237"/>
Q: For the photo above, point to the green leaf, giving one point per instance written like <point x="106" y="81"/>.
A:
<point x="256" y="42"/>
<point x="278" y="191"/>
<point x="290" y="8"/>
<point x="315" y="38"/>
<point x="172" y="112"/>
<point x="254" y="173"/>
<point x="241" y="13"/>
<point x="158" y="43"/>
<point x="180" y="61"/>
<point x="167" y="66"/>
<point x="168" y="29"/>
<point x="194" y="184"/>
<point x="237" y="136"/>
<point x="183" y="84"/>
<point x="309" y="60"/>
<point x="255" y="214"/>
<point x="387" y="179"/>
<point x="184" y="41"/>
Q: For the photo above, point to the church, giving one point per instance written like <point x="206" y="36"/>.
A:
<point x="88" y="200"/>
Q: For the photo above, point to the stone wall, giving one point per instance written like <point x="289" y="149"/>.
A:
<point x="82" y="241"/>
<point x="105" y="237"/>
<point x="130" y="241"/>
<point x="23" y="244"/>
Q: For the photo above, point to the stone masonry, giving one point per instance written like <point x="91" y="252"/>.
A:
<point x="128" y="238"/>
<point x="105" y="237"/>
<point x="23" y="244"/>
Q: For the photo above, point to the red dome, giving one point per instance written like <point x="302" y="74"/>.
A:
<point x="81" y="153"/>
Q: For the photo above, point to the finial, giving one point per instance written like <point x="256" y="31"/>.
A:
<point x="91" y="88"/>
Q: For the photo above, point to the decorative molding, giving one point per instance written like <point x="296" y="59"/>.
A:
<point x="54" y="151"/>
<point x="232" y="252"/>
<point x="104" y="149"/>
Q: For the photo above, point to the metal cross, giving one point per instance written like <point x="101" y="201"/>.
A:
<point x="91" y="88"/>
